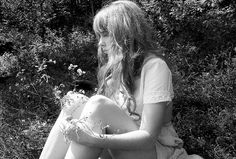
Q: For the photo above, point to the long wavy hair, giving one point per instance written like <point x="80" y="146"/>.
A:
<point x="130" y="32"/>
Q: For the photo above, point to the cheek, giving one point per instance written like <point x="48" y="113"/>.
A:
<point x="109" y="45"/>
<point x="107" y="42"/>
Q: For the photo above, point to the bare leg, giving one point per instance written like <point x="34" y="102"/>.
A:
<point x="101" y="111"/>
<point x="55" y="146"/>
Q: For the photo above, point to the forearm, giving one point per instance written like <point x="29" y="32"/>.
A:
<point x="133" y="140"/>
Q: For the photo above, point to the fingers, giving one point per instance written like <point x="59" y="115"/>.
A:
<point x="64" y="123"/>
<point x="68" y="127"/>
<point x="71" y="134"/>
<point x="76" y="130"/>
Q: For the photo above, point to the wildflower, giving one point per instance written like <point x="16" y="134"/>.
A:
<point x="79" y="71"/>
<point x="73" y="100"/>
<point x="82" y="91"/>
<point x="70" y="67"/>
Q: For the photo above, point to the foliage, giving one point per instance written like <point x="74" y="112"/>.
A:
<point x="205" y="113"/>
<point x="195" y="31"/>
<point x="47" y="46"/>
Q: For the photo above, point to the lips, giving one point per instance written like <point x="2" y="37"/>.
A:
<point x="103" y="50"/>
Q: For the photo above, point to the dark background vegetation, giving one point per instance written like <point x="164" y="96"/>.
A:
<point x="48" y="45"/>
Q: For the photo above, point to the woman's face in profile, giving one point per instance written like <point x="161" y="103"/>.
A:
<point x="105" y="42"/>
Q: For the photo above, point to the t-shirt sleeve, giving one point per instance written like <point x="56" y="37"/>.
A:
<point x="157" y="82"/>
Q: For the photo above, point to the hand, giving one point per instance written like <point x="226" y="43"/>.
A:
<point x="77" y="130"/>
<point x="68" y="127"/>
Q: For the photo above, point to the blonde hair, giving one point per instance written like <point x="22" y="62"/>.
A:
<point x="125" y="22"/>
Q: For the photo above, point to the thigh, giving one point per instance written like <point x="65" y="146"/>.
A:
<point x="102" y="112"/>
<point x="108" y="114"/>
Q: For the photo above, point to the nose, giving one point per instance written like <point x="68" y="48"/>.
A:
<point x="101" y="42"/>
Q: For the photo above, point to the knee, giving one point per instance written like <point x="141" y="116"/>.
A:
<point x="97" y="103"/>
<point x="98" y="100"/>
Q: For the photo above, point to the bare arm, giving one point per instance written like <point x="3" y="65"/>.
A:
<point x="144" y="138"/>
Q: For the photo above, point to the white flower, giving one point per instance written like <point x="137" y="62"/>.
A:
<point x="72" y="101"/>
<point x="70" y="67"/>
<point x="79" y="71"/>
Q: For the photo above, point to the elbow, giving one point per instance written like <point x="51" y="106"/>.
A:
<point x="150" y="141"/>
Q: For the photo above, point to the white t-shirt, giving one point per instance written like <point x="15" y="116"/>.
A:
<point x="154" y="84"/>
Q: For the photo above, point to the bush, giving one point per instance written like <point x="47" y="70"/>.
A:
<point x="39" y="71"/>
<point x="205" y="113"/>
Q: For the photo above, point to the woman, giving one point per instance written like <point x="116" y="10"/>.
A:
<point x="131" y="115"/>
